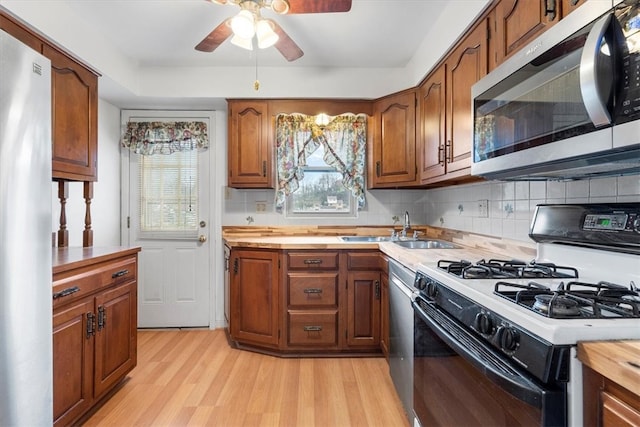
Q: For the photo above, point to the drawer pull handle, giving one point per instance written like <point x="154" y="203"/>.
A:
<point x="313" y="261"/>
<point x="313" y="328"/>
<point x="119" y="273"/>
<point x="65" y="292"/>
<point x="313" y="291"/>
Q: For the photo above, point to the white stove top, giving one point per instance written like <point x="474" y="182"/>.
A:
<point x="621" y="269"/>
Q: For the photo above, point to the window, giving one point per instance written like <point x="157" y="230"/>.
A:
<point x="320" y="167"/>
<point x="321" y="191"/>
<point x="167" y="175"/>
<point x="169" y="194"/>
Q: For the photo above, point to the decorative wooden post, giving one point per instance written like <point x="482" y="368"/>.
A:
<point x="87" y="234"/>
<point x="63" y="233"/>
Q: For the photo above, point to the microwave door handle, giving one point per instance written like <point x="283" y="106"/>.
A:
<point x="595" y="106"/>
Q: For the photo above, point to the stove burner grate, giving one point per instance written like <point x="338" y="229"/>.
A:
<point x="505" y="269"/>
<point x="600" y="300"/>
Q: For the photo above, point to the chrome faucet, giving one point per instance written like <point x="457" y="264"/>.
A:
<point x="406" y="225"/>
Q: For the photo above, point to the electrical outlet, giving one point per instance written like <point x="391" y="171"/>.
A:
<point x="227" y="193"/>
<point x="261" y="206"/>
<point x="483" y="208"/>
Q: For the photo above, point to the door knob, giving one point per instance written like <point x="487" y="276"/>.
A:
<point x="202" y="238"/>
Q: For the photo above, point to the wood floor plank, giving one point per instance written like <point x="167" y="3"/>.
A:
<point x="194" y="378"/>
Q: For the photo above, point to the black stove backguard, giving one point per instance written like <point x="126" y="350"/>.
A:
<point x="612" y="226"/>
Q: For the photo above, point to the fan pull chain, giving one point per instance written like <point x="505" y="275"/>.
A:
<point x="256" y="84"/>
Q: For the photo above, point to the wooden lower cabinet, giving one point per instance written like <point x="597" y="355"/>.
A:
<point x="94" y="332"/>
<point x="305" y="301"/>
<point x="608" y="404"/>
<point x="254" y="297"/>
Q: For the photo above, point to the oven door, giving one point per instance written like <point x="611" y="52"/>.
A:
<point x="458" y="380"/>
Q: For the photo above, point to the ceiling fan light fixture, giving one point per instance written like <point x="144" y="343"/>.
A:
<point x="219" y="1"/>
<point x="243" y="24"/>
<point x="242" y="42"/>
<point x="280" y="6"/>
<point x="265" y="34"/>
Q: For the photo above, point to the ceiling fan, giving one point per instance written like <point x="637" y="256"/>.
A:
<point x="249" y="23"/>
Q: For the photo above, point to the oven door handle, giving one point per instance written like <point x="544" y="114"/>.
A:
<point x="489" y="362"/>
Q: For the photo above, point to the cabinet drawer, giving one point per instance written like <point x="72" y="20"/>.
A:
<point x="313" y="260"/>
<point x="318" y="289"/>
<point x="313" y="329"/>
<point x="365" y="261"/>
<point x="88" y="280"/>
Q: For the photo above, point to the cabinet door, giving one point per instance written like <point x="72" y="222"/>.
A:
<point x="616" y="412"/>
<point x="432" y="125"/>
<point x="465" y="66"/>
<point x="250" y="145"/>
<point x="74" y="99"/>
<point x="116" y="323"/>
<point x="518" y="22"/>
<point x="363" y="309"/>
<point x="254" y="297"/>
<point x="72" y="361"/>
<point x="393" y="161"/>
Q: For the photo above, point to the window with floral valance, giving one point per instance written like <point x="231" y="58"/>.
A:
<point x="158" y="137"/>
<point x="343" y="139"/>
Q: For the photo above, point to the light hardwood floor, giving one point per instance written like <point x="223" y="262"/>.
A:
<point x="193" y="378"/>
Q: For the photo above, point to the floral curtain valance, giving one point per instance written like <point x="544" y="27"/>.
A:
<point x="149" y="138"/>
<point x="344" y="140"/>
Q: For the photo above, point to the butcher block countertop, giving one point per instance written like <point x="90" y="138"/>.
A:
<point x="618" y="361"/>
<point x="69" y="258"/>
<point x="471" y="246"/>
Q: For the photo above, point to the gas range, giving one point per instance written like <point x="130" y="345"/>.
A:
<point x="587" y="268"/>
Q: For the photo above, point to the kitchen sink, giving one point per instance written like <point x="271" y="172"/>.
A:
<point x="365" y="238"/>
<point x="426" y="244"/>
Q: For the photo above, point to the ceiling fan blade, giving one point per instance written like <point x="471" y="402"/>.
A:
<point x="215" y="37"/>
<point x="285" y="44"/>
<point x="319" y="6"/>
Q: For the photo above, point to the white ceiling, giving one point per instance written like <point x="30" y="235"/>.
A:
<point x="139" y="43"/>
<point x="374" y="33"/>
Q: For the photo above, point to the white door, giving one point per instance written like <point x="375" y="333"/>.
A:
<point x="168" y="217"/>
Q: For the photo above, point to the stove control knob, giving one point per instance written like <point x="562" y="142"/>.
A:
<point x="432" y="289"/>
<point x="420" y="283"/>
<point x="484" y="323"/>
<point x="508" y="338"/>
<point x="636" y="225"/>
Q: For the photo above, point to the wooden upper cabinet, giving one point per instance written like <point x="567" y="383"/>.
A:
<point x="464" y="67"/>
<point x="74" y="103"/>
<point x="518" y="22"/>
<point x="21" y="34"/>
<point x="392" y="153"/>
<point x="74" y="107"/>
<point x="250" y="145"/>
<point x="569" y="6"/>
<point x="432" y="125"/>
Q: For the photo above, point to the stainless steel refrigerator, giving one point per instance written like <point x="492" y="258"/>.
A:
<point x="26" y="365"/>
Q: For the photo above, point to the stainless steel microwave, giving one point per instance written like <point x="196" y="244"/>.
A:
<point x="567" y="106"/>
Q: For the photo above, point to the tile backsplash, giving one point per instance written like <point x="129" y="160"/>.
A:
<point x="511" y="204"/>
<point x="496" y="208"/>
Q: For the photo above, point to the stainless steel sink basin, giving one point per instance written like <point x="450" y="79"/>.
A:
<point x="426" y="244"/>
<point x="364" y="238"/>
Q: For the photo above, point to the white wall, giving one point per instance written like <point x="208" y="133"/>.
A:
<point x="105" y="206"/>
